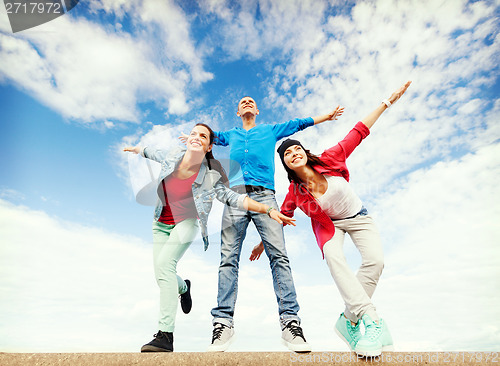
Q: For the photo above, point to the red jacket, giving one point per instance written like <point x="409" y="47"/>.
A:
<point x="335" y="159"/>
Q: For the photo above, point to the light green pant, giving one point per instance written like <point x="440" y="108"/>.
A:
<point x="170" y="242"/>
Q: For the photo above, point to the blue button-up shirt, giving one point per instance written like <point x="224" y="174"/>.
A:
<point x="252" y="151"/>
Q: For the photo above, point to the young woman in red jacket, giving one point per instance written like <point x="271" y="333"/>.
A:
<point x="319" y="186"/>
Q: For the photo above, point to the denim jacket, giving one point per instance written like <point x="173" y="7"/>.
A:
<point x="205" y="188"/>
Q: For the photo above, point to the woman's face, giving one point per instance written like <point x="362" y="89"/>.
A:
<point x="199" y="140"/>
<point x="295" y="157"/>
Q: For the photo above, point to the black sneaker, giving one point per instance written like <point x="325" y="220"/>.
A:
<point x="186" y="301"/>
<point x="163" y="342"/>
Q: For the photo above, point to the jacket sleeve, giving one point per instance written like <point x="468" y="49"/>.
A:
<point x="288" y="206"/>
<point x="344" y="148"/>
<point x="221" y="138"/>
<point x="226" y="195"/>
<point x="160" y="155"/>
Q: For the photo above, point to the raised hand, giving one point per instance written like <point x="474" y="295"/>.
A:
<point x="398" y="93"/>
<point x="183" y="137"/>
<point x="133" y="149"/>
<point x="336" y="113"/>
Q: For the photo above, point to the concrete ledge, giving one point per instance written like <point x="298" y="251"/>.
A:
<point x="248" y="358"/>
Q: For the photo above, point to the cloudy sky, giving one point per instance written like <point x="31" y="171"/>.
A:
<point x="76" y="268"/>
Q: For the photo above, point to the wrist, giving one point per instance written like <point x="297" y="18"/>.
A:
<point x="268" y="211"/>
<point x="387" y="103"/>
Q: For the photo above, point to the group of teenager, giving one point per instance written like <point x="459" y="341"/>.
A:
<point x="191" y="178"/>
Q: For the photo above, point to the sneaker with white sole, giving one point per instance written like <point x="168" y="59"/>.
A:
<point x="370" y="344"/>
<point x="386" y="338"/>
<point x="347" y="332"/>
<point x="293" y="338"/>
<point x="222" y="337"/>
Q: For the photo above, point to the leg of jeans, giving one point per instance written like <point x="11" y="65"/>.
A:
<point x="273" y="239"/>
<point x="170" y="242"/>
<point x="234" y="229"/>
<point x="355" y="298"/>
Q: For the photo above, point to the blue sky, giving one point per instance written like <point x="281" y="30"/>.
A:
<point x="75" y="259"/>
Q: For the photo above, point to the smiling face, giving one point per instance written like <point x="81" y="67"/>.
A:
<point x="295" y="157"/>
<point x="247" y="106"/>
<point x="199" y="140"/>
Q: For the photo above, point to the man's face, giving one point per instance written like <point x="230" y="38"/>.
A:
<point x="247" y="106"/>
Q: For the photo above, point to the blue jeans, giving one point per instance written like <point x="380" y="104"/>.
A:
<point x="234" y="227"/>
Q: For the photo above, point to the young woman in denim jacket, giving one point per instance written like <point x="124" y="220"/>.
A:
<point x="319" y="186"/>
<point x="190" y="179"/>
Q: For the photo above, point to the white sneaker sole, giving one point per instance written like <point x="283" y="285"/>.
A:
<point x="369" y="353"/>
<point x="389" y="348"/>
<point x="221" y="347"/>
<point x="341" y="336"/>
<point x="300" y="348"/>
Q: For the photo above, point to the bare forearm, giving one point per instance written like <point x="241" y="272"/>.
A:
<point x="371" y="118"/>
<point x="320" y="119"/>
<point x="251" y="205"/>
<point x="332" y="116"/>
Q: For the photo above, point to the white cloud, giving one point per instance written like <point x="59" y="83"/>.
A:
<point x="88" y="290"/>
<point x="90" y="72"/>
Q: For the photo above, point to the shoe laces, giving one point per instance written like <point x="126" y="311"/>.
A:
<point x="295" y="329"/>
<point x="373" y="330"/>
<point x="353" y="331"/>
<point x="217" y="333"/>
<point x="160" y="334"/>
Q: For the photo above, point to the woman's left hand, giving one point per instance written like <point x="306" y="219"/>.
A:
<point x="257" y="251"/>
<point x="282" y="219"/>
<point x="398" y="93"/>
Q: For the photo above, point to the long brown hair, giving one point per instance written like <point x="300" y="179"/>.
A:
<point x="212" y="162"/>
<point x="311" y="161"/>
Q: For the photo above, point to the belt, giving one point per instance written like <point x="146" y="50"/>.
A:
<point x="249" y="189"/>
<point x="363" y="212"/>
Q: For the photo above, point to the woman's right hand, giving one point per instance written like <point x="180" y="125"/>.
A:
<point x="257" y="251"/>
<point x="133" y="149"/>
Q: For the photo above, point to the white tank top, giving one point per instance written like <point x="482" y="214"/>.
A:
<point x="339" y="201"/>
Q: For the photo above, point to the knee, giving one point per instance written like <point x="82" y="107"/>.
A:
<point x="277" y="256"/>
<point x="165" y="269"/>
<point x="375" y="264"/>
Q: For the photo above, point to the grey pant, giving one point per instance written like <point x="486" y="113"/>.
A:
<point x="356" y="289"/>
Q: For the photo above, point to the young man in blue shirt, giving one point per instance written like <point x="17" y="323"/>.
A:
<point x="252" y="147"/>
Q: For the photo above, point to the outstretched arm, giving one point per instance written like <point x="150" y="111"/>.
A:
<point x="370" y="119"/>
<point x="133" y="149"/>
<point x="255" y="206"/>
<point x="332" y="116"/>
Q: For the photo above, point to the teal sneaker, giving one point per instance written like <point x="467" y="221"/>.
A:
<point x="386" y="338"/>
<point x="349" y="334"/>
<point x="370" y="344"/>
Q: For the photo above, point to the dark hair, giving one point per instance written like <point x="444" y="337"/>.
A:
<point x="212" y="162"/>
<point x="311" y="161"/>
